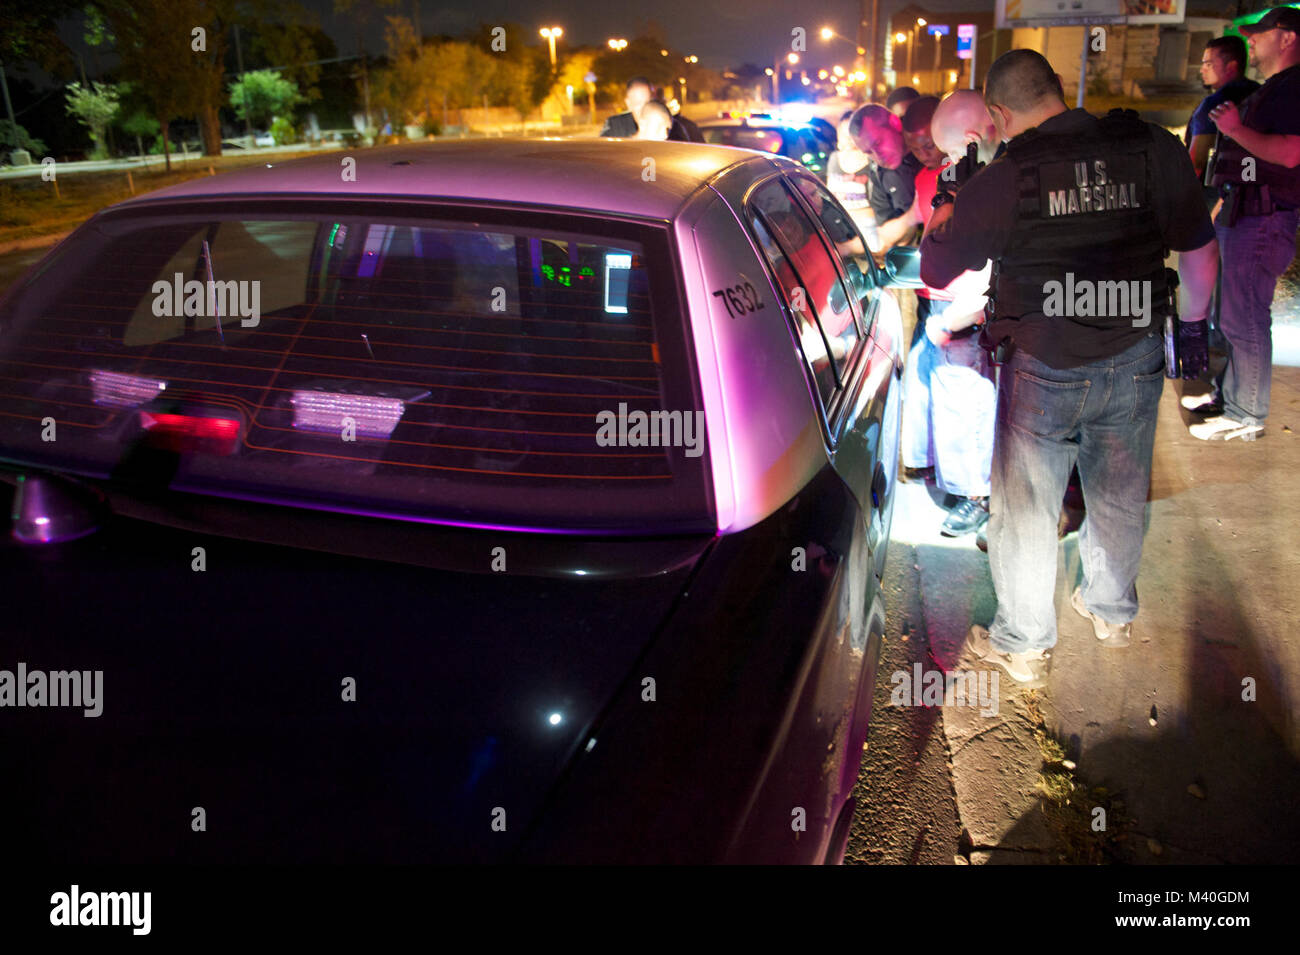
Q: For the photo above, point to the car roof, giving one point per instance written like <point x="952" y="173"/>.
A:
<point x="602" y="175"/>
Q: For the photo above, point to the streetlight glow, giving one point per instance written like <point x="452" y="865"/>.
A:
<point x="551" y="34"/>
<point x="827" y="33"/>
<point x="900" y="37"/>
<point x="920" y="21"/>
<point x="792" y="58"/>
<point x="617" y="45"/>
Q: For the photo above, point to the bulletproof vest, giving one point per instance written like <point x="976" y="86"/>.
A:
<point x="1084" y="220"/>
<point x="1230" y="165"/>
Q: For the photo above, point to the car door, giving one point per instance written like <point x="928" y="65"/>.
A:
<point x="834" y="295"/>
<point x="872" y="406"/>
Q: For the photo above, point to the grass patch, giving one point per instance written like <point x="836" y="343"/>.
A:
<point x="29" y="206"/>
<point x="1069" y="803"/>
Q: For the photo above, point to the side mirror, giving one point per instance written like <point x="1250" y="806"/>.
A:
<point x="903" y="267"/>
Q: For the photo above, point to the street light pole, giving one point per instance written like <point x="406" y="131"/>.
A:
<point x="938" y="86"/>
<point x="551" y="34"/>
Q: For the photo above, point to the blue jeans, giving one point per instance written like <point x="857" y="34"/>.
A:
<point x="1102" y="415"/>
<point x="948" y="405"/>
<point x="1254" y="252"/>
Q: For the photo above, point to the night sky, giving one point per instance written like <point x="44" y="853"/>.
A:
<point x="721" y="33"/>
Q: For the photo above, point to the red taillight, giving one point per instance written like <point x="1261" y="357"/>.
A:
<point x="188" y="433"/>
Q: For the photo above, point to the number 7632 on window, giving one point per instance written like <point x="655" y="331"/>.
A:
<point x="740" y="299"/>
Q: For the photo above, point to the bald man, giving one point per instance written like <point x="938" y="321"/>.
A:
<point x="962" y="119"/>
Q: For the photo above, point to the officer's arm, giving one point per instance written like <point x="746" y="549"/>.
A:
<point x="1197" y="272"/>
<point x="1277" y="148"/>
<point x="964" y="234"/>
<point x="899" y="228"/>
<point x="1199" y="150"/>
<point x="1281" y="149"/>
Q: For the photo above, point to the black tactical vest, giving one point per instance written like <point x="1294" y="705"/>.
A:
<point x="1084" y="215"/>
<point x="1231" y="166"/>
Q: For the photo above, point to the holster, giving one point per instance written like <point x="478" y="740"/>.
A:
<point x="999" y="351"/>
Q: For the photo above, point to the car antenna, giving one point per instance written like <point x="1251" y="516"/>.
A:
<point x="212" y="292"/>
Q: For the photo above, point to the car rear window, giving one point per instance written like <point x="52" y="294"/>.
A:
<point x="477" y="366"/>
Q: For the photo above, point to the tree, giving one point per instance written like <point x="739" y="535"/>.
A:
<point x="13" y="136"/>
<point x="522" y="76"/>
<point x="290" y="45"/>
<point x="176" y="49"/>
<point x="154" y="39"/>
<point x="140" y="125"/>
<point x="29" y="32"/>
<point x="94" y="108"/>
<point x="261" y="95"/>
<point x="399" y="87"/>
<point x="642" y="57"/>
<point x="359" y="10"/>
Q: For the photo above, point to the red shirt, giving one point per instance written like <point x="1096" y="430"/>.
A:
<point x="927" y="184"/>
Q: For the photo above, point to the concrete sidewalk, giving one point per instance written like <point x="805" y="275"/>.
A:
<point x="1202" y="773"/>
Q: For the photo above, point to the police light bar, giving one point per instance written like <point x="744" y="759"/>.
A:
<point x="326" y="412"/>
<point x="118" y="390"/>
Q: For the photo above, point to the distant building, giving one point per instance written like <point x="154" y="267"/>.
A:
<point x="1141" y="61"/>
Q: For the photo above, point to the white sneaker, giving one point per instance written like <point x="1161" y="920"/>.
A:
<point x="1110" y="634"/>
<point x="1223" y="428"/>
<point x="1029" y="669"/>
<point x="1201" y="403"/>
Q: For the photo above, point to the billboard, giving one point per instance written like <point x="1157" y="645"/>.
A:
<point x="965" y="38"/>
<point x="1154" y="11"/>
<point x="1052" y="13"/>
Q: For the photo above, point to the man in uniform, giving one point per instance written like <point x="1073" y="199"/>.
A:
<point x="1076" y="215"/>
<point x="1223" y="71"/>
<point x="1258" y="168"/>
<point x="891" y="179"/>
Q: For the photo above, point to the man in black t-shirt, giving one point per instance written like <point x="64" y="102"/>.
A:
<point x="1223" y="70"/>
<point x="1076" y="214"/>
<point x="1258" y="169"/>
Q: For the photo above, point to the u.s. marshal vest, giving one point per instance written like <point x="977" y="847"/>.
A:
<point x="1084" y="217"/>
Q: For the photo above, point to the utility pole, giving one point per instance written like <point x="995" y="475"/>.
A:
<point x="239" y="64"/>
<point x="938" y="84"/>
<point x="9" y="107"/>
